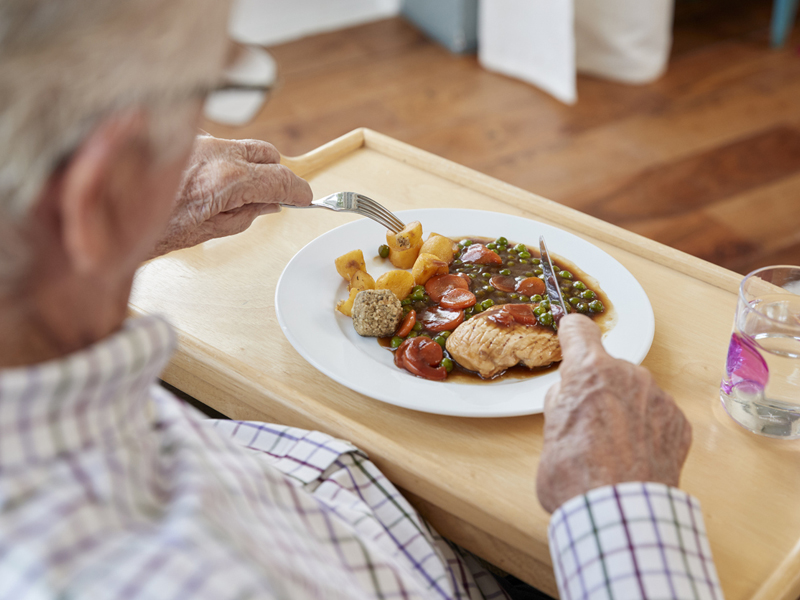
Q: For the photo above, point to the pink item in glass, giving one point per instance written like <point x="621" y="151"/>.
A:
<point x="745" y="367"/>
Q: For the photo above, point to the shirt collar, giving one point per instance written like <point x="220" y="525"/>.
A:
<point x="97" y="396"/>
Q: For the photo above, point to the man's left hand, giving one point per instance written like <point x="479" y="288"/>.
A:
<point x="227" y="184"/>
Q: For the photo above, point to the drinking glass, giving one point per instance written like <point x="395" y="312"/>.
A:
<point x="761" y="386"/>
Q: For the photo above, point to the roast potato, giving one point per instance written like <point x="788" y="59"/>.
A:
<point x="346" y="306"/>
<point x="426" y="266"/>
<point x="439" y="246"/>
<point x="361" y="280"/>
<point x="349" y="263"/>
<point x="399" y="282"/>
<point x="404" y="259"/>
<point x="410" y="236"/>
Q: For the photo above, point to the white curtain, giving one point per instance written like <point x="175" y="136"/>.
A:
<point x="546" y="42"/>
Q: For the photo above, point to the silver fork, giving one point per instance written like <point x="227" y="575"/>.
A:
<point x="357" y="203"/>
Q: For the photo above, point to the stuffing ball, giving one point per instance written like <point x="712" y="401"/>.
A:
<point x="376" y="313"/>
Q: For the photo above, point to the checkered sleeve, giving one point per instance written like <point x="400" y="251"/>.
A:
<point x="632" y="541"/>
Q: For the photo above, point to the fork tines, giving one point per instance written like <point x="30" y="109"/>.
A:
<point x="374" y="210"/>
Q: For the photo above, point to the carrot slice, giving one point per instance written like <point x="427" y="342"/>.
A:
<point x="441" y="319"/>
<point x="457" y="298"/>
<point x="439" y="285"/>
<point x="504" y="283"/>
<point x="481" y="255"/>
<point x="418" y="356"/>
<point x="531" y="286"/>
<point x="508" y="314"/>
<point x="408" y="324"/>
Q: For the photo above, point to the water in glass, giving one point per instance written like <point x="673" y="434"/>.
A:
<point x="761" y="385"/>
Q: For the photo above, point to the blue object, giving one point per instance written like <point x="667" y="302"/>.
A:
<point x="452" y="23"/>
<point x="783" y="15"/>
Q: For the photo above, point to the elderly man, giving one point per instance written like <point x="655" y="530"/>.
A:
<point x="112" y="488"/>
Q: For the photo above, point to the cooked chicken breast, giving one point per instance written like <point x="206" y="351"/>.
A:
<point x="493" y="341"/>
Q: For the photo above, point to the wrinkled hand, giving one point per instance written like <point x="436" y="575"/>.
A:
<point x="227" y="184"/>
<point x="606" y="422"/>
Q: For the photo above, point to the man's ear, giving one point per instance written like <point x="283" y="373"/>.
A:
<point x="89" y="182"/>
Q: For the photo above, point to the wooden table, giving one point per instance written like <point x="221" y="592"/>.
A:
<point x="474" y="478"/>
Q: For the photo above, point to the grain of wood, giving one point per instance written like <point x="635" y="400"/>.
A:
<point x="725" y="93"/>
<point x="475" y="477"/>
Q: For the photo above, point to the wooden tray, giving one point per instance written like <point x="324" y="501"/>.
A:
<point x="474" y="478"/>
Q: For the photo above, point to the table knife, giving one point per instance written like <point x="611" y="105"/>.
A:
<point x="557" y="306"/>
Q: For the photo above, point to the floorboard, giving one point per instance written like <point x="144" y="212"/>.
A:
<point x="706" y="159"/>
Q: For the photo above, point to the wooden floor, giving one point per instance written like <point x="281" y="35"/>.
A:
<point x="706" y="160"/>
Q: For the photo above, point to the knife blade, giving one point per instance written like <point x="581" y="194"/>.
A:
<point x="557" y="306"/>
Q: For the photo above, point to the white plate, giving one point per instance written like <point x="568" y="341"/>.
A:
<point x="310" y="286"/>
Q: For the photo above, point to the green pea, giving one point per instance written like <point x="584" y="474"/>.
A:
<point x="588" y="295"/>
<point x="488" y="289"/>
<point x="546" y="319"/>
<point x="491" y="245"/>
<point x="513" y="296"/>
<point x="457" y="263"/>
<point x="510" y="263"/>
<point x="479" y="292"/>
<point x="445" y="334"/>
<point x="488" y="303"/>
<point x="512" y="252"/>
<point x="524" y="299"/>
<point x="417" y="327"/>
<point x="528" y="273"/>
<point x="501" y="241"/>
<point x="418" y="288"/>
<point x="505" y="272"/>
<point x="536" y="298"/>
<point x="396" y="341"/>
<point x="539" y="311"/>
<point x="537" y="261"/>
<point x="523" y="261"/>
<point x="565" y="275"/>
<point x="447" y="364"/>
<point x="487" y="274"/>
<point x="596" y="306"/>
<point x="440" y="339"/>
<point x="579" y="285"/>
<point x="405" y="302"/>
<point x="465" y="243"/>
<point x="471" y="275"/>
<point x="521" y="248"/>
<point x="477" y="308"/>
<point x="525" y="255"/>
<point x="581" y="306"/>
<point x="383" y="251"/>
<point x="425" y="335"/>
<point x="411" y="335"/>
<point x="417" y="296"/>
<point x="538" y="272"/>
<point x="574" y="301"/>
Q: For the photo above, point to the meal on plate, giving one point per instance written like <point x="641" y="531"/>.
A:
<point x="472" y="304"/>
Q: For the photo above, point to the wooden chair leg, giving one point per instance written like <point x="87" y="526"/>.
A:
<point x="783" y="15"/>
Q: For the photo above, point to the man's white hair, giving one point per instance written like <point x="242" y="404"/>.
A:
<point x="67" y="64"/>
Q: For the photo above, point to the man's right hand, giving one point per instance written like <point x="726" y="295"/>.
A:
<point x="606" y="422"/>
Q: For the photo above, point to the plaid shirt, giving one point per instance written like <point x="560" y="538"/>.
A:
<point x="632" y="541"/>
<point x="112" y="488"/>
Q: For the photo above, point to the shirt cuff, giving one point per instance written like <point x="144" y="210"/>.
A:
<point x="632" y="541"/>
